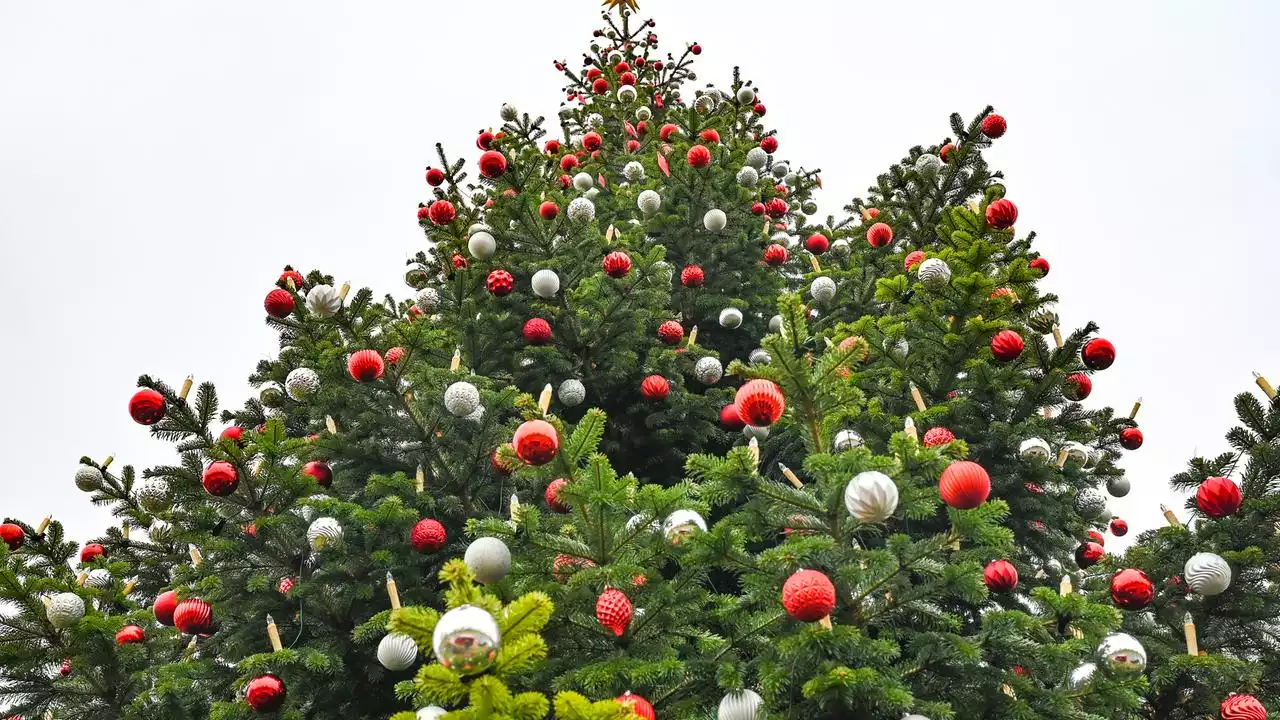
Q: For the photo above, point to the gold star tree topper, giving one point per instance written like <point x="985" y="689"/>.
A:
<point x="621" y="4"/>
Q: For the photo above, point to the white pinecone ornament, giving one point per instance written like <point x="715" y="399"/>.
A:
<point x="715" y="220"/>
<point x="934" y="273"/>
<point x="582" y="210"/>
<point x="1207" y="573"/>
<point x="649" y="202"/>
<point x="324" y="532"/>
<point x="708" y="370"/>
<point x="65" y="610"/>
<point x="742" y="704"/>
<point x="489" y="558"/>
<point x="823" y="289"/>
<point x="583" y="182"/>
<point x="871" y="496"/>
<point x="461" y="398"/>
<point x="730" y="318"/>
<point x="88" y="478"/>
<point x="571" y="392"/>
<point x="481" y="245"/>
<point x="633" y="171"/>
<point x="757" y="158"/>
<point x="323" y="301"/>
<point x="397" y="652"/>
<point x="302" y="383"/>
<point x="748" y="176"/>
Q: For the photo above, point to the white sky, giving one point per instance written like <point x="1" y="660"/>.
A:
<point x="161" y="161"/>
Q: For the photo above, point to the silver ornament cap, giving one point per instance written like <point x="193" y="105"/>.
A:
<point x="489" y="558"/>
<point x="466" y="639"/>
<point x="397" y="652"/>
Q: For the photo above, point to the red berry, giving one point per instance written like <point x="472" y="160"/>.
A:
<point x="692" y="276"/>
<point x="699" y="156"/>
<point x="500" y="283"/>
<point x="548" y="210"/>
<point x="769" y="144"/>
<point x="817" y="244"/>
<point x="279" y="303"/>
<point x="993" y="126"/>
<point x="537" y="331"/>
<point x="775" y="255"/>
<point x="617" y="264"/>
<point x="670" y="332"/>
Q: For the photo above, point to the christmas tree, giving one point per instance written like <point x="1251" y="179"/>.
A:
<point x="703" y="450"/>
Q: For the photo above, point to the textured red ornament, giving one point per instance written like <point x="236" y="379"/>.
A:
<point x="499" y="465"/>
<point x="1242" y="707"/>
<point x="548" y="210"/>
<point x="710" y="135"/>
<point x="552" y="147"/>
<point x="633" y="145"/>
<point x="279" y="303"/>
<point x="220" y="478"/>
<point x="1119" y="527"/>
<point x="938" y="436"/>
<point x="616" y="264"/>
<point x="699" y="156"/>
<point x="670" y="332"/>
<point x="776" y="207"/>
<point x="769" y="144"/>
<point x="265" y="693"/>
<point x="730" y="418"/>
<point x="394" y="355"/>
<point x="1131" y="438"/>
<point x="565" y="565"/>
<point x="552" y="495"/>
<point x="1218" y="497"/>
<point x="365" y="365"/>
<point x="879" y="235"/>
<point x="760" y="402"/>
<point x="964" y="485"/>
<point x="537" y="331"/>
<point x="286" y="584"/>
<point x="1132" y="589"/>
<point x="319" y="470"/>
<point x="808" y="595"/>
<point x="92" y="552"/>
<point x="655" y="387"/>
<point x="459" y="261"/>
<point x="130" y="634"/>
<point x="1002" y="214"/>
<point x="492" y="164"/>
<point x="613" y="610"/>
<point x="600" y="86"/>
<point x="1033" y="488"/>
<point x="536" y="442"/>
<point x="638" y="705"/>
<point x="692" y="276"/>
<point x="64" y="671"/>
<point x="1095" y="536"/>
<point x="757" y="208"/>
<point x="234" y="433"/>
<point x="147" y="406"/>
<point x="775" y="255"/>
<point x="1077" y="386"/>
<point x="1000" y="576"/>
<point x="667" y="130"/>
<point x="871" y="213"/>
<point x="592" y="141"/>
<point x="1006" y="345"/>
<point x="441" y="212"/>
<point x="428" y="535"/>
<point x="12" y="535"/>
<point x="1098" y="354"/>
<point x="500" y="283"/>
<point x="1040" y="264"/>
<point x="291" y="274"/>
<point x="945" y="152"/>
<point x="193" y="617"/>
<point x="1088" y="554"/>
<point x="435" y="177"/>
<point x="817" y="244"/>
<point x="915" y="257"/>
<point x="568" y="162"/>
<point x="594" y="72"/>
<point x="993" y="126"/>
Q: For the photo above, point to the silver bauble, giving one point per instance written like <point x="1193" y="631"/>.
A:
<point x="682" y="525"/>
<point x="1081" y="679"/>
<point x="508" y="112"/>
<point x="461" y="398"/>
<point x="759" y="433"/>
<point x="775" y="324"/>
<point x="1122" y="654"/>
<point x="708" y="370"/>
<point x="871" y="496"/>
<point x="760" y="356"/>
<point x="481" y="245"/>
<point x="779" y="170"/>
<point x="88" y="478"/>
<point x="1035" y="449"/>
<point x="840" y="246"/>
<point x="152" y="494"/>
<point x="65" y="610"/>
<point x="1207" y="573"/>
<point x="715" y="220"/>
<point x="466" y="639"/>
<point x="790" y="179"/>
<point x="626" y="94"/>
<point x="428" y="300"/>
<point x="643" y="113"/>
<point x="572" y="392"/>
<point x="847" y="440"/>
<point x="1095" y="457"/>
<point x="823" y="289"/>
<point x="705" y="103"/>
<point x="98" y="578"/>
<point x="1118" y="486"/>
<point x="748" y="176"/>
<point x="757" y="158"/>
<point x="397" y="652"/>
<point x="301" y="383"/>
<point x="477" y="227"/>
<point x="581" y="210"/>
<point x="323" y="533"/>
<point x="324" y="301"/>
<point x="928" y="164"/>
<point x="633" y="171"/>
<point x="730" y="318"/>
<point x="430" y="712"/>
<point x="1077" y="453"/>
<point x="740" y="705"/>
<point x="545" y="283"/>
<point x="489" y="558"/>
<point x="271" y="394"/>
<point x="746" y="95"/>
<point x="636" y="520"/>
<point x="1090" y="503"/>
<point x="934" y="273"/>
<point x="583" y="182"/>
<point x="649" y="202"/>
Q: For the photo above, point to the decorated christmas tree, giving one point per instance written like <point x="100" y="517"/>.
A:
<point x="705" y="452"/>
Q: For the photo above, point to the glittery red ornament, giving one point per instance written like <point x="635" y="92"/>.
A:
<point x="760" y="402"/>
<point x="616" y="264"/>
<point x="699" y="156"/>
<point x="1098" y="354"/>
<point x="428" y="535"/>
<point x="319" y="470"/>
<point x="460" y="262"/>
<point x="286" y="584"/>
<point x="670" y="332"/>
<point x="633" y="145"/>
<point x="536" y="442"/>
<point x="484" y="140"/>
<point x="769" y="144"/>
<point x="1132" y="589"/>
<point x="775" y="255"/>
<point x="537" y="331"/>
<point x="915" y="257"/>
<point x="692" y="276"/>
<point x="879" y="235"/>
<point x="12" y="535"/>
<point x="1040" y="264"/>
<point x="1002" y="214"/>
<point x="1242" y="707"/>
<point x="234" y="433"/>
<point x="265" y="693"/>
<point x="1131" y="438"/>
<point x="638" y="705"/>
<point x="1077" y="386"/>
<point x="1119" y="527"/>
<point x="993" y="126"/>
<point x="938" y="436"/>
<point x="492" y="164"/>
<point x="500" y="283"/>
<point x="1006" y="345"/>
<point x="946" y="151"/>
<point x="1000" y="576"/>
<point x="441" y="212"/>
<point x="193" y="616"/>
<point x="91" y="552"/>
<point x="817" y="243"/>
<point x="592" y="141"/>
<point x="435" y="177"/>
<point x="594" y="72"/>
<point x="147" y="407"/>
<point x="552" y="495"/>
<point x="730" y="418"/>
<point x="614" y="611"/>
<point x="130" y="634"/>
<point x="552" y="147"/>
<point x="655" y="387"/>
<point x="279" y="303"/>
<point x="1088" y="554"/>
<point x="365" y="365"/>
<point x="757" y="208"/>
<point x="1218" y="497"/>
<point x="964" y="485"/>
<point x="548" y="210"/>
<point x="600" y="86"/>
<point x="220" y="478"/>
<point x="394" y="355"/>
<point x="568" y="162"/>
<point x="759" y="109"/>
<point x="710" y="135"/>
<point x="808" y="595"/>
<point x="776" y="207"/>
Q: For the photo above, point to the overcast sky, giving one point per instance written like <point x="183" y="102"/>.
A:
<point x="161" y="161"/>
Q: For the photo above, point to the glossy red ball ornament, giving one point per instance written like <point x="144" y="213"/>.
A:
<point x="616" y="264"/>
<point x="552" y="495"/>
<point x="1242" y="707"/>
<point x="776" y="207"/>
<point x="638" y="705"/>
<point x="441" y="212"/>
<point x="655" y="387"/>
<point x="12" y="535"/>
<point x="234" y="433"/>
<point x="1006" y="345"/>
<point x="1002" y="214"/>
<point x="64" y="671"/>
<point x="130" y="634"/>
<point x="666" y="131"/>
<point x="164" y="606"/>
<point x="537" y="331"/>
<point x="536" y="442"/>
<point x="1218" y="497"/>
<point x="759" y="109"/>
<point x="757" y="208"/>
<point x="775" y="255"/>
<point x="692" y="276"/>
<point x="946" y="151"/>
<point x="699" y="156"/>
<point x="1098" y="354"/>
<point x="670" y="332"/>
<point x="500" y="283"/>
<point x="147" y="406"/>
<point x="279" y="303"/>
<point x="696" y="49"/>
<point x="220" y="478"/>
<point x="484" y="140"/>
<point x="769" y="144"/>
<point x="964" y="485"/>
<point x="1000" y="576"/>
<point x="548" y="210"/>
<point x="435" y="177"/>
<point x="614" y="611"/>
<point x="1095" y="536"/>
<point x="938" y="436"/>
<point x="879" y="235"/>
<point x="193" y="616"/>
<point x="428" y="535"/>
<point x="265" y="693"/>
<point x="993" y="126"/>
<point x="1119" y="527"/>
<point x="592" y="141"/>
<point x="1132" y="589"/>
<point x="91" y="552"/>
<point x="817" y="244"/>
<point x="365" y="365"/>
<point x="460" y="262"/>
<point x="552" y="147"/>
<point x="730" y="419"/>
<point x="1088" y="554"/>
<point x="760" y="402"/>
<point x="493" y="164"/>
<point x="1077" y="386"/>
<point x="600" y="86"/>
<point x="320" y="471"/>
<point x="915" y="257"/>
<point x="394" y="355"/>
<point x="1131" y="438"/>
<point x="1040" y="264"/>
<point x="808" y="595"/>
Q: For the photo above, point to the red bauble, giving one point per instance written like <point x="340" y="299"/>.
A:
<point x="817" y="244"/>
<point x="279" y="303"/>
<point x="1040" y="264"/>
<point x="1095" y="536"/>
<point x="760" y="402"/>
<point x="710" y="135"/>
<point x="1004" y="292"/>
<point x="164" y="606"/>
<point x="147" y="406"/>
<point x="536" y="442"/>
<point x="220" y="478"/>
<point x="265" y="693"/>
<point x="1132" y="589"/>
<point x="234" y="433"/>
<point x="552" y="147"/>
<point x="537" y="331"/>
<point x="548" y="210"/>
<point x="670" y="332"/>
<point x="699" y="156"/>
<point x="441" y="212"/>
<point x="552" y="495"/>
<point x="92" y="552"/>
<point x="286" y="584"/>
<point x="871" y="213"/>
<point x="757" y="208"/>
<point x="1242" y="707"/>
<point x="617" y="264"/>
<point x="394" y="355"/>
<point x="655" y="387"/>
<point x="565" y="565"/>
<point x="193" y="617"/>
<point x="769" y="144"/>
<point x="592" y="141"/>
<point x="1077" y="386"/>
<point x="759" y="109"/>
<point x="568" y="162"/>
<point x="1088" y="554"/>
<point x="879" y="235"/>
<point x="1131" y="438"/>
<point x="638" y="705"/>
<point x="1000" y="576"/>
<point x="808" y="595"/>
<point x="633" y="145"/>
<point x="290" y="274"/>
<point x="938" y="436"/>
<point x="1098" y="354"/>
<point x="130" y="634"/>
<point x="365" y="365"/>
<point x="667" y="130"/>
<point x="775" y="255"/>
<point x="484" y="140"/>
<point x="1218" y="497"/>
<point x="1119" y="527"/>
<point x="614" y="611"/>
<point x="492" y="164"/>
<point x="964" y="485"/>
<point x="594" y="72"/>
<point x="915" y="257"/>
<point x="993" y="126"/>
<point x="319" y="470"/>
<point x="692" y="276"/>
<point x="776" y="207"/>
<point x="696" y="49"/>
<point x="64" y="671"/>
<point x="600" y="86"/>
<point x="945" y="152"/>
<point x="459" y="261"/>
<point x="435" y="177"/>
<point x="1002" y="214"/>
<point x="428" y="535"/>
<point x="1006" y="345"/>
<point x="12" y="535"/>
<point x="500" y="283"/>
<point x="730" y="418"/>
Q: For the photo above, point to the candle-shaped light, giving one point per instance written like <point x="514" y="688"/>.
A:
<point x="1189" y="629"/>
<point x="693" y="336"/>
<point x="1064" y="587"/>
<point x="393" y="592"/>
<point x="124" y="531"/>
<point x="186" y="387"/>
<point x="330" y="425"/>
<point x="420" y="479"/>
<point x="544" y="399"/>
<point x="80" y="579"/>
<point x="130" y="584"/>
<point x="1048" y="412"/>
<point x="191" y="646"/>
<point x="1062" y="457"/>
<point x="196" y="557"/>
<point x="107" y="463"/>
<point x="813" y="260"/>
<point x="1170" y="517"/>
<point x="293" y="287"/>
<point x="1266" y="386"/>
<point x="825" y="622"/>
<point x="273" y="634"/>
<point x="456" y="362"/>
<point x="515" y="509"/>
<point x="44" y="524"/>
<point x="790" y="476"/>
<point x="346" y="288"/>
<point x="1057" y="337"/>
<point x="915" y="395"/>
<point x="754" y="447"/>
<point x="909" y="427"/>
<point x="1137" y="405"/>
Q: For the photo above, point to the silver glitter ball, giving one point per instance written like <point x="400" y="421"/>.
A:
<point x="583" y="182"/>
<point x="730" y="318"/>
<point x="302" y="383"/>
<point x="271" y="394"/>
<point x="1118" y="486"/>
<point x="1122" y="654"/>
<point x="758" y="432"/>
<point x="323" y="533"/>
<point x="428" y="300"/>
<point x="633" y="171"/>
<point x="461" y="398"/>
<point x="482" y="245"/>
<point x="397" y="652"/>
<point x="682" y="525"/>
<point x="708" y="370"/>
<point x="466" y="639"/>
<point x="1035" y="449"/>
<point x="741" y="704"/>
<point x="757" y="158"/>
<point x="871" y="496"/>
<point x="760" y="356"/>
<point x="1081" y="679"/>
<point x="545" y="283"/>
<point x="847" y="440"/>
<point x="1207" y="573"/>
<point x="489" y="558"/>
<point x="572" y="392"/>
<point x="508" y="112"/>
<point x="934" y="273"/>
<point x="581" y="210"/>
<point x="476" y="416"/>
<point x="323" y="301"/>
<point x="88" y="478"/>
<point x="152" y="494"/>
<point x="928" y="164"/>
<point x="65" y="610"/>
<point x="1090" y="503"/>
<point x="99" y="578"/>
<point x="823" y="289"/>
<point x="649" y="202"/>
<point x="748" y="176"/>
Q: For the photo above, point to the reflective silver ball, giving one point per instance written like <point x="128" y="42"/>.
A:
<point x="482" y="245"/>
<point x="746" y="95"/>
<point x="466" y="639"/>
<point x="682" y="525"/>
<point x="1122" y="654"/>
<point x="508" y="112"/>
<point x="730" y="318"/>
<point x="1081" y="679"/>
<point x="1035" y="449"/>
<point x="847" y="440"/>
<point x="775" y="324"/>
<point x="1118" y="486"/>
<point x="271" y="394"/>
<point x="779" y="170"/>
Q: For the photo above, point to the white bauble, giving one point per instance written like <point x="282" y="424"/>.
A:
<point x="840" y="246"/>
<point x="99" y="578"/>
<point x="759" y="433"/>
<point x="271" y="394"/>
<point x="397" y="652"/>
<point x="430" y="712"/>
<point x="705" y="103"/>
<point x="508" y="112"/>
<point x="88" y="478"/>
<point x="934" y="272"/>
<point x="1207" y="573"/>
<point x="681" y="525"/>
<point x="1118" y="486"/>
<point x="928" y="164"/>
<point x="743" y="704"/>
<point x="583" y="182"/>
<point x="757" y="158"/>
<point x="715" y="220"/>
<point x="582" y="210"/>
<point x="461" y="398"/>
<point x="823" y="289"/>
<point x="730" y="318"/>
<point x="633" y="171"/>
<point x="324" y="301"/>
<point x="847" y="440"/>
<point x="871" y="496"/>
<point x="571" y="392"/>
<point x="152" y="494"/>
<point x="708" y="370"/>
<point x="323" y="533"/>
<point x="545" y="283"/>
<point x="1122" y="654"/>
<point x="748" y="176"/>
<point x="591" y="194"/>
<point x="643" y="113"/>
<point x="779" y="170"/>
<point x="302" y="383"/>
<point x="626" y="94"/>
<point x="649" y="202"/>
<point x="791" y="179"/>
<point x="746" y="95"/>
<point x="477" y="227"/>
<point x="466" y="639"/>
<point x="65" y="610"/>
<point x="481" y="245"/>
<point x="428" y="300"/>
<point x="759" y="356"/>
<point x="775" y="324"/>
<point x="1081" y="679"/>
<point x="489" y="558"/>
<point x="914" y="716"/>
<point x="1035" y="448"/>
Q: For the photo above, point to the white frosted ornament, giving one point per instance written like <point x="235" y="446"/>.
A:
<point x="476" y="416"/>
<point x="682" y="525"/>
<point x="466" y="639"/>
<point x="591" y="194"/>
<point x="1035" y="449"/>
<point x="477" y="227"/>
<point x="790" y="179"/>
<point x="626" y="94"/>
<point x="705" y="103"/>
<point x="428" y="300"/>
<point x="1090" y="503"/>
<point x="99" y="578"/>
<point x="779" y="170"/>
<point x="508" y="112"/>
<point x="323" y="301"/>
<point x="481" y="245"/>
<point x="461" y="398"/>
<point x="323" y="533"/>
<point x="871" y="496"/>
<point x="397" y="652"/>
<point x="643" y="113"/>
<point x="934" y="272"/>
<point x="928" y="164"/>
<point x="708" y="370"/>
<point x="1081" y="679"/>
<point x="271" y="394"/>
<point x="730" y="318"/>
<point x="571" y="392"/>
<point x="757" y="158"/>
<point x="715" y="220"/>
<point x="302" y="383"/>
<point x="1118" y="486"/>
<point x="583" y="182"/>
<point x="489" y="558"/>
<point x="775" y="324"/>
<point x="748" y="176"/>
<point x="840" y="246"/>
<point x="1122" y="654"/>
<point x="88" y="478"/>
<point x="741" y="704"/>
<point x="649" y="202"/>
<point x="545" y="283"/>
<point x="760" y="356"/>
<point x="1207" y="573"/>
<point x="65" y="610"/>
<point x="582" y="210"/>
<point x="847" y="440"/>
<point x="152" y="494"/>
<point x="823" y="289"/>
<point x="430" y="712"/>
<point x="633" y="171"/>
